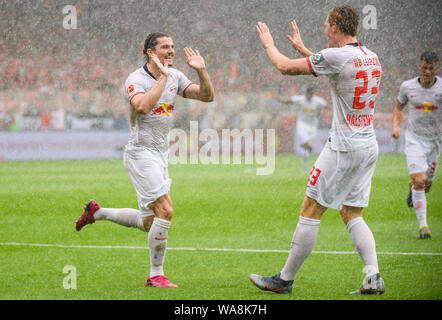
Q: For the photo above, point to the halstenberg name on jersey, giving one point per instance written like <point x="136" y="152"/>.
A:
<point x="427" y="107"/>
<point x="366" y="62"/>
<point x="317" y="58"/>
<point x="359" y="120"/>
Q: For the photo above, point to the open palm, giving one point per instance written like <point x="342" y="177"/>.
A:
<point x="194" y="59"/>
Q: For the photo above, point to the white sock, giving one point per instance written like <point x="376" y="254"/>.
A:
<point x="420" y="206"/>
<point x="157" y="241"/>
<point x="125" y="217"/>
<point x="365" y="245"/>
<point x="304" y="240"/>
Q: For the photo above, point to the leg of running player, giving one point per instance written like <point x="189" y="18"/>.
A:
<point x="362" y="237"/>
<point x="157" y="241"/>
<point x="307" y="151"/>
<point x="126" y="217"/>
<point x="304" y="238"/>
<point x="420" y="202"/>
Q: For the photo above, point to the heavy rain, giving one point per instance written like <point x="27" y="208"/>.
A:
<point x="63" y="65"/>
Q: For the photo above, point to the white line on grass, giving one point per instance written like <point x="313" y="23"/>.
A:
<point x="207" y="249"/>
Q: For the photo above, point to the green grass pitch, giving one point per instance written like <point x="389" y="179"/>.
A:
<point x="216" y="207"/>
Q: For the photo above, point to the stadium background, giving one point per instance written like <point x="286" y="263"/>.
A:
<point x="60" y="87"/>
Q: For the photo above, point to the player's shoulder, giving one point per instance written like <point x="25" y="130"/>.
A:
<point x="136" y="75"/>
<point x="176" y="73"/>
<point x="411" y="83"/>
<point x="349" y="51"/>
<point x="338" y="56"/>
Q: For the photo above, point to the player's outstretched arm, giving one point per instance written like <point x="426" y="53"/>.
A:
<point x="296" y="41"/>
<point x="144" y="103"/>
<point x="204" y="91"/>
<point x="280" y="61"/>
<point x="397" y="118"/>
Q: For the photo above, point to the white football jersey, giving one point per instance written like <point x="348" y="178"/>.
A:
<point x="309" y="113"/>
<point x="354" y="74"/>
<point x="151" y="130"/>
<point x="424" y="107"/>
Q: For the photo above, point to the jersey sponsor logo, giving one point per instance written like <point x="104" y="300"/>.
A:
<point x="165" y="110"/>
<point x="130" y="89"/>
<point x="359" y="120"/>
<point x="317" y="58"/>
<point x="426" y="107"/>
<point x="366" y="62"/>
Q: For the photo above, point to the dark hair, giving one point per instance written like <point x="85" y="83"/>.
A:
<point x="151" y="41"/>
<point x="429" y="57"/>
<point x="346" y="18"/>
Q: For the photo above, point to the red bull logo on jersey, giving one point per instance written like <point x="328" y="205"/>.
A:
<point x="165" y="110"/>
<point x="426" y="107"/>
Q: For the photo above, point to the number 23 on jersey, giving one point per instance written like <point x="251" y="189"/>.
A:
<point x="362" y="90"/>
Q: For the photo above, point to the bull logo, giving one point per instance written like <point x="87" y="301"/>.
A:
<point x="165" y="109"/>
<point x="427" y="107"/>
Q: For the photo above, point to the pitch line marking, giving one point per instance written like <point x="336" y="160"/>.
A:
<point x="207" y="249"/>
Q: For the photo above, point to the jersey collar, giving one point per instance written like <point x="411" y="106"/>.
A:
<point x="148" y="72"/>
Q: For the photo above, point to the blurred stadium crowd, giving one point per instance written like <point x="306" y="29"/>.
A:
<point x="57" y="79"/>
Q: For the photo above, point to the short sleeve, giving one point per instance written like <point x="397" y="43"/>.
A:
<point x="402" y="96"/>
<point x="324" y="62"/>
<point x="134" y="86"/>
<point x="183" y="83"/>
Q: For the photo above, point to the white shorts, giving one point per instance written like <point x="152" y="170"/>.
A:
<point x="305" y="133"/>
<point x="422" y="155"/>
<point x="149" y="174"/>
<point x="342" y="178"/>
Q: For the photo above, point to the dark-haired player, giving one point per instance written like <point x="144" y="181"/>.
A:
<point x="151" y="92"/>
<point x="423" y="95"/>
<point x="341" y="176"/>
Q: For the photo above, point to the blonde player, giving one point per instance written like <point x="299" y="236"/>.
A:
<point x="423" y="96"/>
<point x="341" y="176"/>
<point x="151" y="92"/>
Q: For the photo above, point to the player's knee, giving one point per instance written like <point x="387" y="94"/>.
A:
<point x="349" y="213"/>
<point x="419" y="183"/>
<point x="164" y="211"/>
<point x="168" y="213"/>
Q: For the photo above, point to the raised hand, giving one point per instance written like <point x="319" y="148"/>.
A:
<point x="264" y="35"/>
<point x="296" y="40"/>
<point x="164" y="68"/>
<point x="194" y="59"/>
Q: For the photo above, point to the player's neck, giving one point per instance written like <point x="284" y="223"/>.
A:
<point x="153" y="70"/>
<point x="427" y="84"/>
<point x="341" y="41"/>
